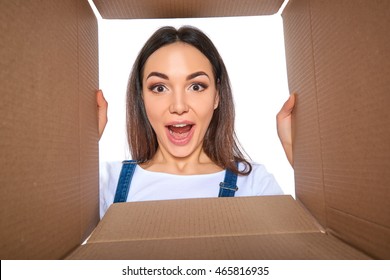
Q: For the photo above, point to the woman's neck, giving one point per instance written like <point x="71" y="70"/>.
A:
<point x="196" y="163"/>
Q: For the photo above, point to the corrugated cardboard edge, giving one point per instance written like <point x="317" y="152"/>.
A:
<point x="134" y="9"/>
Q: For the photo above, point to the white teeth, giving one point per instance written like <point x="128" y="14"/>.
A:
<point x="179" y="125"/>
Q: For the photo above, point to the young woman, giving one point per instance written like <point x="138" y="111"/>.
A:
<point x="180" y="126"/>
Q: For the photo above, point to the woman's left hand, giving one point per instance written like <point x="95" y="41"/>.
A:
<point x="283" y="121"/>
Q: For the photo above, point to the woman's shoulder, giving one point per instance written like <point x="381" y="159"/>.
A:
<point x="110" y="166"/>
<point x="260" y="180"/>
<point x="256" y="168"/>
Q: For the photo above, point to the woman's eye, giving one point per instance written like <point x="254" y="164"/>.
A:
<point x="158" y="88"/>
<point x="197" y="87"/>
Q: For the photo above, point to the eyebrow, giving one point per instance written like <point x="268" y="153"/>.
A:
<point x="196" y="74"/>
<point x="165" y="77"/>
<point x="157" y="74"/>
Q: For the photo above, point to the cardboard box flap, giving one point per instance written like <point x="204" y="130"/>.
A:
<point x="342" y="131"/>
<point x="203" y="218"/>
<point x="308" y="170"/>
<point x="135" y="9"/>
<point x="283" y="246"/>
<point x="48" y="143"/>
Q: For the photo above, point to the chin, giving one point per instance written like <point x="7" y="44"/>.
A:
<point x="184" y="153"/>
<point x="181" y="151"/>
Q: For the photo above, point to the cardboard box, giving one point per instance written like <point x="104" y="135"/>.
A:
<point x="338" y="60"/>
<point x="274" y="227"/>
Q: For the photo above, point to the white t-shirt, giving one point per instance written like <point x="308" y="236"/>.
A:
<point x="149" y="185"/>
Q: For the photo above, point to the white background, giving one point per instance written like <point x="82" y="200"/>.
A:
<point x="253" y="51"/>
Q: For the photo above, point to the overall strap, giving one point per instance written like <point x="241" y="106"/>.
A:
<point x="127" y="172"/>
<point x="228" y="187"/>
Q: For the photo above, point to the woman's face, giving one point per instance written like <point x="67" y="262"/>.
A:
<point x="180" y="97"/>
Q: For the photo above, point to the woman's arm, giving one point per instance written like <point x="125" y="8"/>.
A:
<point x="283" y="121"/>
<point x="102" y="107"/>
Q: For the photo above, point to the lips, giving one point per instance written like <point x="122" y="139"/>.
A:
<point x="180" y="133"/>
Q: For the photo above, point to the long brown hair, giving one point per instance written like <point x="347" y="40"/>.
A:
<point x="220" y="141"/>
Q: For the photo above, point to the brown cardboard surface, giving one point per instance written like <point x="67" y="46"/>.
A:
<point x="131" y="9"/>
<point x="308" y="168"/>
<point x="202" y="217"/>
<point x="288" y="246"/>
<point x="350" y="61"/>
<point x="271" y="227"/>
<point x="87" y="83"/>
<point x="48" y="127"/>
<point x="371" y="238"/>
<point x="353" y="86"/>
<point x="338" y="62"/>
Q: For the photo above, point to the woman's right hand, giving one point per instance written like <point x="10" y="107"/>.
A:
<point x="102" y="106"/>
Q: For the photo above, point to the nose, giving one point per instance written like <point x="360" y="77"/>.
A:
<point x="178" y="104"/>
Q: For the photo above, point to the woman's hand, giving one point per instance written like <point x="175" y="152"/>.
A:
<point x="102" y="106"/>
<point x="283" y="121"/>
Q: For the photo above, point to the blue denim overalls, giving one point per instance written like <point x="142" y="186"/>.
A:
<point x="227" y="188"/>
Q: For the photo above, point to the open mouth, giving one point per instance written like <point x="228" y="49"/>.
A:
<point x="180" y="134"/>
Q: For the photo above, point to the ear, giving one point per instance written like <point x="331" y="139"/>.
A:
<point x="216" y="100"/>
